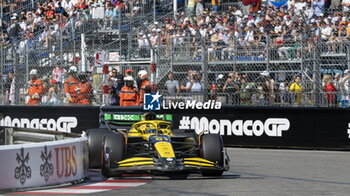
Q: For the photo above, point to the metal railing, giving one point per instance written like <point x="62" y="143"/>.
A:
<point x="26" y="135"/>
<point x="134" y="40"/>
<point x="281" y="62"/>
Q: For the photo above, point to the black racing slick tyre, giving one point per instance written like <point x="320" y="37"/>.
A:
<point x="113" y="151"/>
<point x="212" y="150"/>
<point x="95" y="137"/>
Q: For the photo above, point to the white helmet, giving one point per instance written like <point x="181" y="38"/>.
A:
<point x="73" y="69"/>
<point x="143" y="74"/>
<point x="128" y="78"/>
<point x="33" y="72"/>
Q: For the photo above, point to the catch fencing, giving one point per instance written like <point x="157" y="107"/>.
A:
<point x="75" y="41"/>
<point x="137" y="40"/>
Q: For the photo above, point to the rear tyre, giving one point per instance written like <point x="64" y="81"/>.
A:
<point x="212" y="150"/>
<point x="113" y="151"/>
<point x="95" y="137"/>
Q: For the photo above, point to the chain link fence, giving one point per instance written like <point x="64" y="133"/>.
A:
<point x="237" y="64"/>
<point x="237" y="73"/>
<point x="52" y="45"/>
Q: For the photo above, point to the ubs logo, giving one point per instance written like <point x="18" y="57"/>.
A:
<point x="46" y="169"/>
<point x="23" y="171"/>
<point x="66" y="163"/>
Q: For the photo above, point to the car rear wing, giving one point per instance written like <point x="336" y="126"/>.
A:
<point x="118" y="116"/>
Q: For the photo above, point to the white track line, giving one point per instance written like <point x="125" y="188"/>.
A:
<point x="101" y="184"/>
<point x="71" y="191"/>
<point x="114" y="184"/>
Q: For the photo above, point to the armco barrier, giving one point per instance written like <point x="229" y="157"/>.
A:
<point x="43" y="164"/>
<point x="27" y="135"/>
<point x="315" y="128"/>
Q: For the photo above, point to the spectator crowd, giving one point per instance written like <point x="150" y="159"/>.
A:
<point x="53" y="19"/>
<point x="252" y="26"/>
<point x="71" y="87"/>
<point x="288" y="31"/>
<point x="255" y="27"/>
<point x="263" y="90"/>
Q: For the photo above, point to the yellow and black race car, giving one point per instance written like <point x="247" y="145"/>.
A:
<point x="151" y="146"/>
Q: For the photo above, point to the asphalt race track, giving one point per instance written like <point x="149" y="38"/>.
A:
<point x="260" y="172"/>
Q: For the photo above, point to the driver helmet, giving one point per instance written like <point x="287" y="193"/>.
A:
<point x="151" y="131"/>
<point x="150" y="116"/>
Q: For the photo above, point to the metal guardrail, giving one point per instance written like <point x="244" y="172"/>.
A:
<point x="14" y="135"/>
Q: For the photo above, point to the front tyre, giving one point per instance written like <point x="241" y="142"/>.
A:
<point x="113" y="151"/>
<point x="95" y="137"/>
<point x="211" y="148"/>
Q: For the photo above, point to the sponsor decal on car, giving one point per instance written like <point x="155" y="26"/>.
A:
<point x="272" y="127"/>
<point x="135" y="117"/>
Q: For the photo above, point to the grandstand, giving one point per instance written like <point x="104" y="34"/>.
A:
<point x="268" y="46"/>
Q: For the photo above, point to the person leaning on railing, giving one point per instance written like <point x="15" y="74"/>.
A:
<point x="172" y="86"/>
<point x="185" y="80"/>
<point x="194" y="85"/>
<point x="283" y="89"/>
<point x="58" y="73"/>
<point x="54" y="95"/>
<point x="295" y="89"/>
<point x="246" y="91"/>
<point x="268" y="84"/>
<point x="46" y="87"/>
<point x="330" y="91"/>
<point x="232" y="87"/>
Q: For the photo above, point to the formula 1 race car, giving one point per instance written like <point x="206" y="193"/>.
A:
<point x="151" y="146"/>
